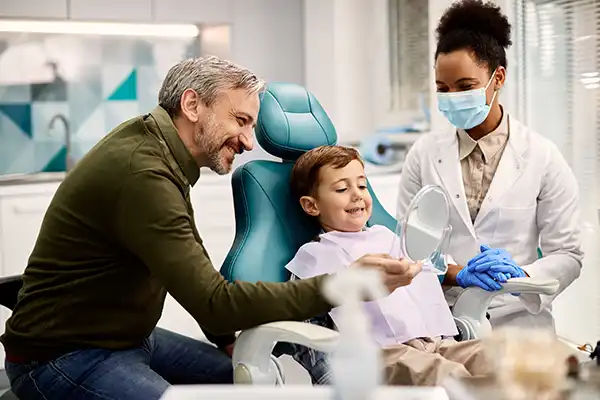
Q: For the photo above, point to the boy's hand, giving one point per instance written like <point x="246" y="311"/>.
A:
<point x="395" y="273"/>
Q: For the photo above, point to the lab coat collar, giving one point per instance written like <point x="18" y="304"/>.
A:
<point x="490" y="144"/>
<point x="175" y="146"/>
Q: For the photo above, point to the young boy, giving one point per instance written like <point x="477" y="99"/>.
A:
<point x="413" y="325"/>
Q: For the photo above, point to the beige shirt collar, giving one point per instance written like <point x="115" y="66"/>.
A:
<point x="490" y="144"/>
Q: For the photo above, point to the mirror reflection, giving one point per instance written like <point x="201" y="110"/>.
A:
<point x="424" y="230"/>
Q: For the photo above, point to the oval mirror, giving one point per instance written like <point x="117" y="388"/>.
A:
<point x="424" y="230"/>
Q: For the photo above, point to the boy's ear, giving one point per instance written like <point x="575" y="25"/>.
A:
<point x="309" y="205"/>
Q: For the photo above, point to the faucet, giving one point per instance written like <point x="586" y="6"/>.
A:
<point x="63" y="119"/>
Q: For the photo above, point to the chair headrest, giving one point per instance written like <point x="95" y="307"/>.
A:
<point x="291" y="121"/>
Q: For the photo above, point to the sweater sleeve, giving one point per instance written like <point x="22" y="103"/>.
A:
<point x="154" y="224"/>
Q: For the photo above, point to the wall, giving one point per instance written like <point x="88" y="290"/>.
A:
<point x="267" y="36"/>
<point x="342" y="40"/>
<point x="53" y="86"/>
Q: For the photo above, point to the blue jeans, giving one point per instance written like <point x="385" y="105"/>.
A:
<point x="164" y="358"/>
<point x="313" y="361"/>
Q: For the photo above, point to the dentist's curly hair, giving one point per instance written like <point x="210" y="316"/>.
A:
<point x="478" y="26"/>
<point x="305" y="174"/>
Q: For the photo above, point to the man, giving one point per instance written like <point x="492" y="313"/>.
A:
<point x="120" y="234"/>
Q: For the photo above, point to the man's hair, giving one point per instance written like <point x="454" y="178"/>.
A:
<point x="305" y="174"/>
<point x="208" y="76"/>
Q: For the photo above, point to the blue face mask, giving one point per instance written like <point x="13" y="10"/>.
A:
<point x="465" y="110"/>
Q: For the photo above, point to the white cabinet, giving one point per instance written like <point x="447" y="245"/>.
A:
<point x="193" y="11"/>
<point x="111" y="10"/>
<point x="22" y="210"/>
<point x="33" y="8"/>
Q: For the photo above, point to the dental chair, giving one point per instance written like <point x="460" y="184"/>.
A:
<point x="271" y="227"/>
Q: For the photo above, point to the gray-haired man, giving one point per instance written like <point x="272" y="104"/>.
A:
<point x="120" y="234"/>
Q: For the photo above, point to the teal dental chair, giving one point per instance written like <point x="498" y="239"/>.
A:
<point x="271" y="226"/>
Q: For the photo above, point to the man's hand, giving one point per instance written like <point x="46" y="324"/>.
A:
<point x="395" y="273"/>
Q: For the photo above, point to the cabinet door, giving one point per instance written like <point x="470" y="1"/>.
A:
<point x="112" y="10"/>
<point x="34" y="9"/>
<point x="21" y="219"/>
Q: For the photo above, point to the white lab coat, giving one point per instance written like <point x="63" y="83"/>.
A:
<point x="532" y="200"/>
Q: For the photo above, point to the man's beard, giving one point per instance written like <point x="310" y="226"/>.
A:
<point x="207" y="139"/>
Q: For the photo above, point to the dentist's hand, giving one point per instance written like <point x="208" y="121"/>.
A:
<point x="498" y="263"/>
<point x="489" y="269"/>
<point x="468" y="276"/>
<point x="395" y="273"/>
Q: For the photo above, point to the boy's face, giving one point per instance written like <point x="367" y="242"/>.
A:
<point x="342" y="201"/>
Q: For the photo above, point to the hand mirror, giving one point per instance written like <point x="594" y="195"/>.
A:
<point x="423" y="232"/>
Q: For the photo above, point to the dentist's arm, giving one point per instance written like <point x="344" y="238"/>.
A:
<point x="558" y="220"/>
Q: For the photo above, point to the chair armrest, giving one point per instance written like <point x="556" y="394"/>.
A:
<point x="252" y="353"/>
<point x="9" y="290"/>
<point x="472" y="304"/>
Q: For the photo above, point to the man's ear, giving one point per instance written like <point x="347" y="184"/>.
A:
<point x="189" y="105"/>
<point x="309" y="205"/>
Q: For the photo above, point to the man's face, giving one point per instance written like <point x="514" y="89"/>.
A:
<point x="342" y="201"/>
<point x="226" y="129"/>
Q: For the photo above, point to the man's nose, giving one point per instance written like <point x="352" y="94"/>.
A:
<point x="247" y="140"/>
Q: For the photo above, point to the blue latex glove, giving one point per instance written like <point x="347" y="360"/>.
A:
<point x="469" y="277"/>
<point x="496" y="262"/>
<point x="488" y="252"/>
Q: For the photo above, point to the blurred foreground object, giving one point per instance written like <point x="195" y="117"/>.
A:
<point x="529" y="364"/>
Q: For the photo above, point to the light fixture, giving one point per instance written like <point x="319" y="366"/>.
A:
<point x="99" y="28"/>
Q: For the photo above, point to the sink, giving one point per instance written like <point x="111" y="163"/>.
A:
<point x="25" y="179"/>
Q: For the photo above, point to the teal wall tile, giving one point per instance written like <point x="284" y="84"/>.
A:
<point x="127" y="91"/>
<point x="20" y="114"/>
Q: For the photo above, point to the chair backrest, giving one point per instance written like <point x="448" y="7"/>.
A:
<point x="270" y="224"/>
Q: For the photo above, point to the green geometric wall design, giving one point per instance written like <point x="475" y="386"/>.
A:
<point x="20" y="114"/>
<point x="58" y="163"/>
<point x="108" y="81"/>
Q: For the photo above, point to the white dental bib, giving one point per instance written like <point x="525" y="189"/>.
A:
<point x="416" y="310"/>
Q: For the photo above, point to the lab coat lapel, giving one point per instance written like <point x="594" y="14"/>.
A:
<point x="511" y="166"/>
<point x="447" y="164"/>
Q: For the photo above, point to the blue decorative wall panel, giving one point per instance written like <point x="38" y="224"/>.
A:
<point x="94" y="83"/>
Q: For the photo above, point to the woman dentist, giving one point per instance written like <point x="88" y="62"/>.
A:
<point x="511" y="189"/>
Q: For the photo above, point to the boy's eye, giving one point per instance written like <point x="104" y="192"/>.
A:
<point x="340" y="190"/>
<point x="362" y="187"/>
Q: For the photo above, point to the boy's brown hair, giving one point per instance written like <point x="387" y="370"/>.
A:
<point x="305" y="174"/>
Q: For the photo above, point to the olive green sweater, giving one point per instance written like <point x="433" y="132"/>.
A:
<point x="118" y="235"/>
